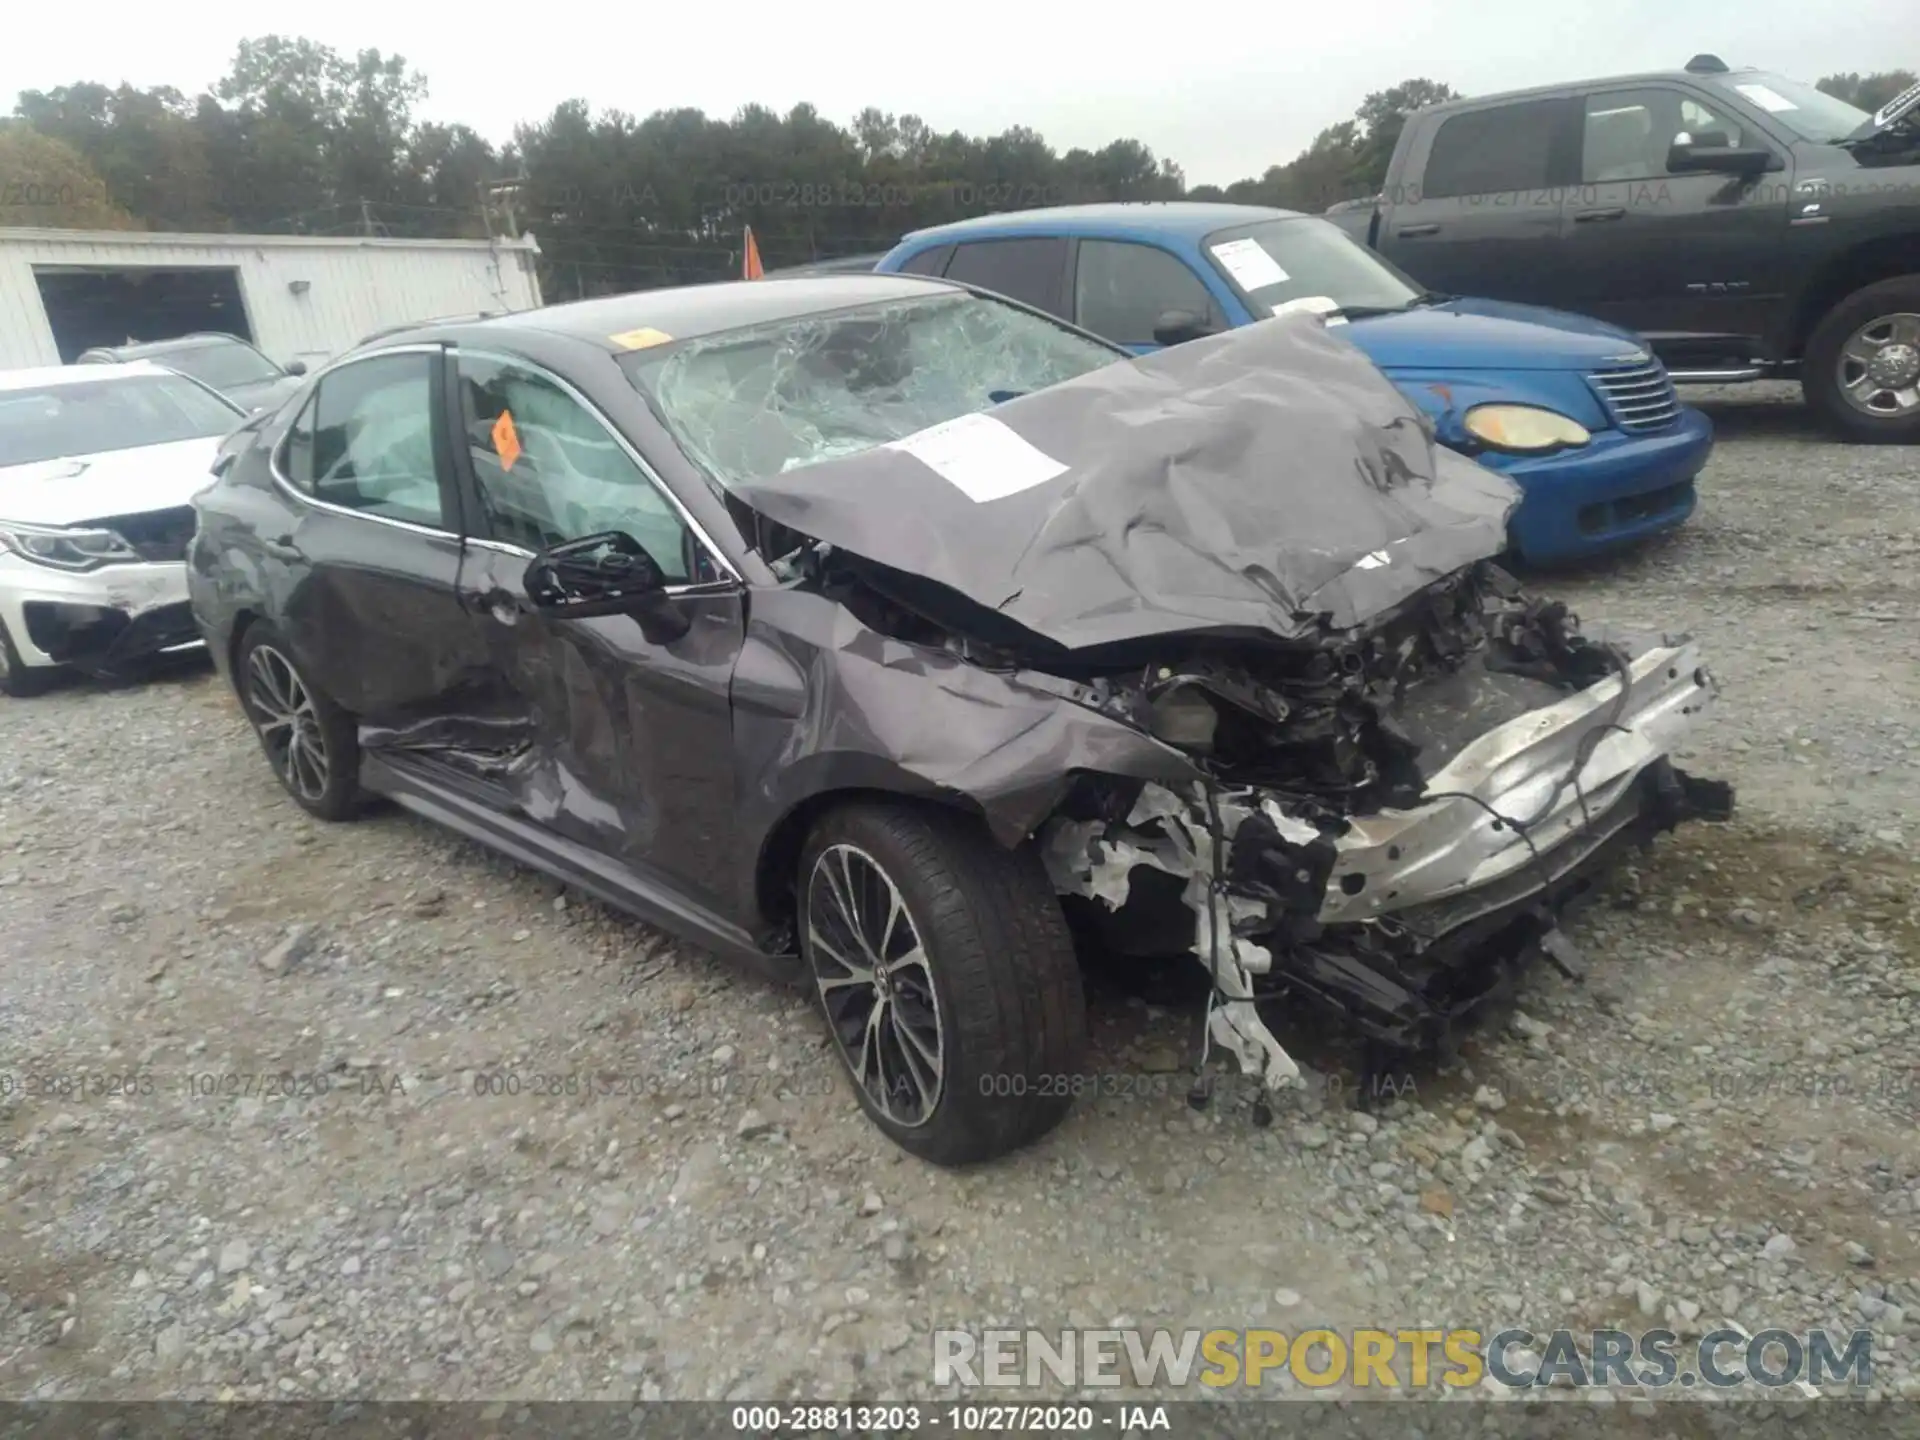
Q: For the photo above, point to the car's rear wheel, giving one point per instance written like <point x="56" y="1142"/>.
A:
<point x="1861" y="370"/>
<point x="17" y="678"/>
<point x="948" y="979"/>
<point x="309" y="740"/>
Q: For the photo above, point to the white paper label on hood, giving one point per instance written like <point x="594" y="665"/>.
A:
<point x="1251" y="267"/>
<point x="1766" y="99"/>
<point x="981" y="456"/>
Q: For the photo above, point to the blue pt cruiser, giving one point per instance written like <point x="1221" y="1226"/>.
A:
<point x="1579" y="413"/>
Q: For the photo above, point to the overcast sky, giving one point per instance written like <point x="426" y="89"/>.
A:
<point x="1225" y="89"/>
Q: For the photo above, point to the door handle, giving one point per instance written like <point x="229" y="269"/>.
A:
<point x="281" y="547"/>
<point x="1582" y="217"/>
<point x="1409" y="232"/>
<point x="505" y="606"/>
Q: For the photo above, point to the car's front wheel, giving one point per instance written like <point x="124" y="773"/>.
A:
<point x="948" y="979"/>
<point x="1861" y="370"/>
<point x="309" y="740"/>
<point x="17" y="678"/>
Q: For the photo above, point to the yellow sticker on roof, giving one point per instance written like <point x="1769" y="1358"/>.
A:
<point x="640" y="339"/>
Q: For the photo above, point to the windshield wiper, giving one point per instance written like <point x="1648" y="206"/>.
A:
<point x="1420" y="301"/>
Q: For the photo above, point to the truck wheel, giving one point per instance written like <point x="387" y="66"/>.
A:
<point x="1861" y="371"/>
<point x="948" y="978"/>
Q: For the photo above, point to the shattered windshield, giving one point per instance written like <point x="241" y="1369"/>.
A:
<point x="770" y="398"/>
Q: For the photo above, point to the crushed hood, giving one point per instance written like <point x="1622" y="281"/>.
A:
<point x="1263" y="481"/>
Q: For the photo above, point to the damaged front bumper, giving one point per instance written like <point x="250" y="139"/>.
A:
<point x="1409" y="921"/>
<point x="99" y="620"/>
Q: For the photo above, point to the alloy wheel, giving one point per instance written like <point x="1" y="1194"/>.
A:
<point x="1880" y="366"/>
<point x="876" y="984"/>
<point x="283" y="713"/>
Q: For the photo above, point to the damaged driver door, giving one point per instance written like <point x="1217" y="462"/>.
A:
<point x="613" y="631"/>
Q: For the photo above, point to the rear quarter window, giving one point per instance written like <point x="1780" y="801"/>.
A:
<point x="931" y="261"/>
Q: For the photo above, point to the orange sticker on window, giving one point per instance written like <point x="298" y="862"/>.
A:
<point x="506" y="440"/>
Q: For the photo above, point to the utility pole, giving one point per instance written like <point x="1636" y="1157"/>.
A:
<point x="496" y="207"/>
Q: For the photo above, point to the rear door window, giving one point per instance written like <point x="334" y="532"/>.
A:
<point x="1497" y="150"/>
<point x="364" y="441"/>
<point x="1032" y="271"/>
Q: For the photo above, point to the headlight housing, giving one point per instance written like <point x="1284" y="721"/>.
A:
<point x="65" y="549"/>
<point x="1524" y="428"/>
<point x="1184" y="717"/>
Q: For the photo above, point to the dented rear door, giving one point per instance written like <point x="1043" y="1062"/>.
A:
<point x="365" y="564"/>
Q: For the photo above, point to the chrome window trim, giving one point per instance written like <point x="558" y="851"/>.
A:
<point x="652" y="476"/>
<point x="279" y="474"/>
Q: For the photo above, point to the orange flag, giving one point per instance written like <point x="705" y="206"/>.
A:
<point x="753" y="270"/>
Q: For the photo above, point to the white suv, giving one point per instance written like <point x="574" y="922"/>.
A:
<point x="97" y="465"/>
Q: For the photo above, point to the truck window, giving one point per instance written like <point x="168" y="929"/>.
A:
<point x="1488" y="152"/>
<point x="1627" y="133"/>
<point x="1029" y="271"/>
<point x="1121" y="289"/>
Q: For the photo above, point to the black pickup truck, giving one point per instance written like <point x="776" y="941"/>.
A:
<point x="1749" y="226"/>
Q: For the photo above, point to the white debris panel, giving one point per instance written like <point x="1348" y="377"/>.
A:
<point x="1082" y="859"/>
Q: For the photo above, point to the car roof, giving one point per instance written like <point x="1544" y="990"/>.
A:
<point x="1610" y="82"/>
<point x="1172" y="218"/>
<point x="690" y="310"/>
<point x="198" y="340"/>
<point x="38" y="377"/>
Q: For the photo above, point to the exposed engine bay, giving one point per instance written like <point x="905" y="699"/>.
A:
<point x="1390" y="823"/>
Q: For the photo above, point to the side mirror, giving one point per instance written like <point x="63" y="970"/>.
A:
<point x="1176" y="327"/>
<point x="606" y="574"/>
<point x="1700" y="158"/>
<point x="296" y="367"/>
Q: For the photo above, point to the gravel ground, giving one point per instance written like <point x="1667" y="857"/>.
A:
<point x="1720" y="1123"/>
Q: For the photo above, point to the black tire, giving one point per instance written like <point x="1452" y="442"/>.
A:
<point x="329" y="790"/>
<point x="1820" y="367"/>
<point x="18" y="680"/>
<point x="1008" y="1009"/>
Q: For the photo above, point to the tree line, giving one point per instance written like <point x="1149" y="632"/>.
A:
<point x="297" y="138"/>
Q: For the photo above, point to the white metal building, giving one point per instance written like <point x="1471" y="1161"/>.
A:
<point x="296" y="297"/>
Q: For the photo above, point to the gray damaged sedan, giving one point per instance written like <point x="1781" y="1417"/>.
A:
<point x="921" y="648"/>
